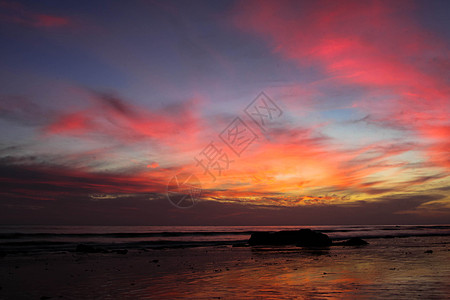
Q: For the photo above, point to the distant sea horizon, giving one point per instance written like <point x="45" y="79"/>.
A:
<point x="45" y="238"/>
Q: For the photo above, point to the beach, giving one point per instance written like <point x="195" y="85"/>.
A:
<point x="410" y="267"/>
<point x="233" y="149"/>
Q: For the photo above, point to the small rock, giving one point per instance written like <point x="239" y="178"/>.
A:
<point x="121" y="251"/>
<point x="429" y="251"/>
<point x="355" y="241"/>
<point x="301" y="238"/>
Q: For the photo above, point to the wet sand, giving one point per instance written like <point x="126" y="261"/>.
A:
<point x="400" y="268"/>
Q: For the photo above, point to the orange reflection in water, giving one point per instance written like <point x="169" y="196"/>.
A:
<point x="375" y="271"/>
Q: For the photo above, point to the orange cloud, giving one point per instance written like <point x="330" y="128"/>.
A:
<point x="153" y="165"/>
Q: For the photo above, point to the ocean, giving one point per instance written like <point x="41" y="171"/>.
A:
<point x="203" y="262"/>
<point x="66" y="238"/>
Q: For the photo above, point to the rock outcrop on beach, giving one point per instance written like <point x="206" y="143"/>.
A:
<point x="301" y="238"/>
<point x="356" y="241"/>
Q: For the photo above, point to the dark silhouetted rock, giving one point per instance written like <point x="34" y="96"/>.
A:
<point x="121" y="251"/>
<point x="311" y="238"/>
<point x="429" y="251"/>
<point x="301" y="238"/>
<point x="356" y="241"/>
<point x="89" y="249"/>
<point x="261" y="238"/>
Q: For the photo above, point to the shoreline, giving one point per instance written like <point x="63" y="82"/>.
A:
<point x="387" y="268"/>
<point x="28" y="242"/>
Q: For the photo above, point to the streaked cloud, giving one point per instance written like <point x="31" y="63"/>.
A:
<point x="110" y="115"/>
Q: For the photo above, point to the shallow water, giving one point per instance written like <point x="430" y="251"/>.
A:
<point x="394" y="268"/>
<point x="65" y="238"/>
<point x="386" y="269"/>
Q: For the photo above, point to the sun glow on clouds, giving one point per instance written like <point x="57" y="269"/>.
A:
<point x="372" y="122"/>
<point x="371" y="45"/>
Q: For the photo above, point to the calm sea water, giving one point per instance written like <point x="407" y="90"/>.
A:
<point x="401" y="262"/>
<point x="65" y="238"/>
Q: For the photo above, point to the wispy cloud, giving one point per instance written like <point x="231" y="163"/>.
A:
<point x="373" y="45"/>
<point x="114" y="118"/>
<point x="14" y="12"/>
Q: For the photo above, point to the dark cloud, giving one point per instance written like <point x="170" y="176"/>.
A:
<point x="42" y="180"/>
<point x="423" y="179"/>
<point x="389" y="123"/>
<point x="139" y="210"/>
<point x="49" y="195"/>
<point x="118" y="105"/>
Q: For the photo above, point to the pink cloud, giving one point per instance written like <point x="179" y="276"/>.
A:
<point x="116" y="119"/>
<point x="71" y="122"/>
<point x="375" y="45"/>
<point x="14" y="12"/>
<point x="50" y="21"/>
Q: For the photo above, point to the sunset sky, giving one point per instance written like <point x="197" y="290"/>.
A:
<point x="103" y="102"/>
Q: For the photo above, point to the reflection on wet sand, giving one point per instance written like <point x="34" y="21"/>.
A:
<point x="387" y="269"/>
<point x="349" y="272"/>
